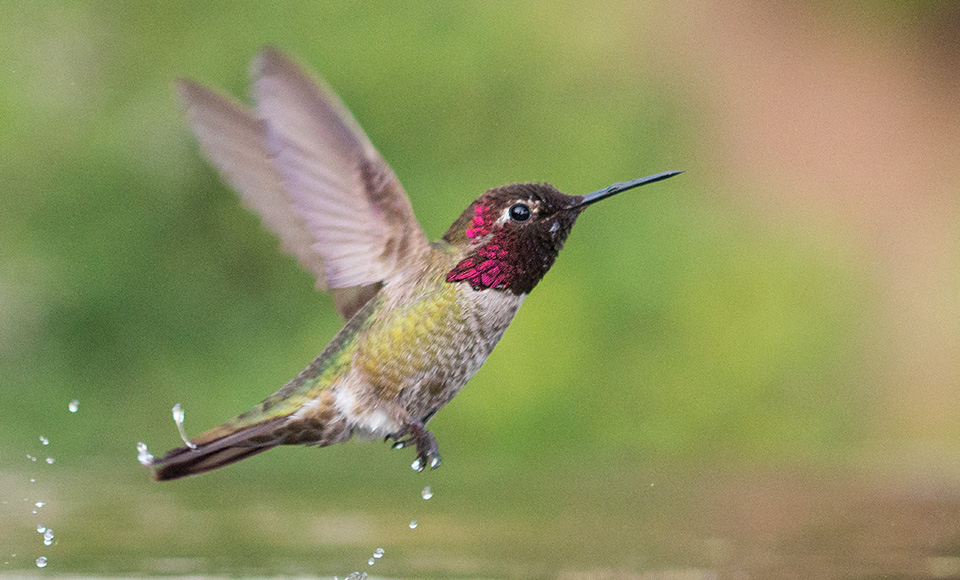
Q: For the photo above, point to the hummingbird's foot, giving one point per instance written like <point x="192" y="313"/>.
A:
<point x="427" y="452"/>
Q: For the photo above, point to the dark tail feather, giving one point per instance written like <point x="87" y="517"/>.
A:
<point x="216" y="453"/>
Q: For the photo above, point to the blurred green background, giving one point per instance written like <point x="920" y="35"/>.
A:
<point x="791" y="303"/>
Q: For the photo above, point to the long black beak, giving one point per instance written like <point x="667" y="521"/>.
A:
<point x="623" y="186"/>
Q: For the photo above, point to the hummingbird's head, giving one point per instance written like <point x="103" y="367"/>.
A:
<point x="511" y="235"/>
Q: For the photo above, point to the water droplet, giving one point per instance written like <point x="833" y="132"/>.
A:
<point x="378" y="553"/>
<point x="41" y="562"/>
<point x="48" y="537"/>
<point x="41" y="528"/>
<point x="416" y="466"/>
<point x="74" y="405"/>
<point x="435" y="463"/>
<point x="32" y="480"/>
<point x="427" y="493"/>
<point x="370" y="562"/>
<point x="31" y="457"/>
<point x="50" y="460"/>
<point x="413" y="524"/>
<point x="178" y="417"/>
<point x="44" y="440"/>
<point x="143" y="456"/>
<point x="39" y="504"/>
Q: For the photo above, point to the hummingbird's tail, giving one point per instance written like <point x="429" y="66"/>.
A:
<point x="218" y="447"/>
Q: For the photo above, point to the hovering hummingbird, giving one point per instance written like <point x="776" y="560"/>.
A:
<point x="421" y="317"/>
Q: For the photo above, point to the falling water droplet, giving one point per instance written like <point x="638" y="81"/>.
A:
<point x="427" y="493"/>
<point x="50" y="460"/>
<point x="48" y="537"/>
<point x="143" y="456"/>
<point x="178" y="417"/>
<point x="39" y="504"/>
<point x="41" y="562"/>
<point x="416" y="466"/>
<point x="370" y="562"/>
<point x="31" y="457"/>
<point x="44" y="440"/>
<point x="378" y="553"/>
<point x="74" y="405"/>
<point x="41" y="528"/>
<point x="413" y="524"/>
<point x="32" y="480"/>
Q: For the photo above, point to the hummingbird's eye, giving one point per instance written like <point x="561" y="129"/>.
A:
<point x="519" y="212"/>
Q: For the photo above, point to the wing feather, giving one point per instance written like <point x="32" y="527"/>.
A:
<point x="342" y="188"/>
<point x="305" y="166"/>
<point x="233" y="140"/>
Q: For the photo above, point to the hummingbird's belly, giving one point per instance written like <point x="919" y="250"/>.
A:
<point x="414" y="359"/>
<point x="366" y="421"/>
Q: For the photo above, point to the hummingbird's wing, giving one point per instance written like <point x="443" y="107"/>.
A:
<point x="307" y="168"/>
<point x="232" y="138"/>
<point x="346" y="194"/>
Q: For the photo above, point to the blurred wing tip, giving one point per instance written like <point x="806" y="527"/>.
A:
<point x="269" y="60"/>
<point x="186" y="89"/>
<point x="269" y="51"/>
<point x="192" y="95"/>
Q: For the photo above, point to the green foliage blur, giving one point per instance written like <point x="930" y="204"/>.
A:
<point x="674" y="325"/>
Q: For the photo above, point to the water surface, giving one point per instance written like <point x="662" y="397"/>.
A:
<point x="553" y="520"/>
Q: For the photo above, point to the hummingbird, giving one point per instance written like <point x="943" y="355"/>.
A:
<point x="421" y="317"/>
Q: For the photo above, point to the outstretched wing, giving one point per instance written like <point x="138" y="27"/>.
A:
<point x="304" y="165"/>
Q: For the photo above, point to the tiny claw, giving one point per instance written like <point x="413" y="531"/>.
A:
<point x="427" y="454"/>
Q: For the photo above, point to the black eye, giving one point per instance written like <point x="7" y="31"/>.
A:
<point x="520" y="212"/>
